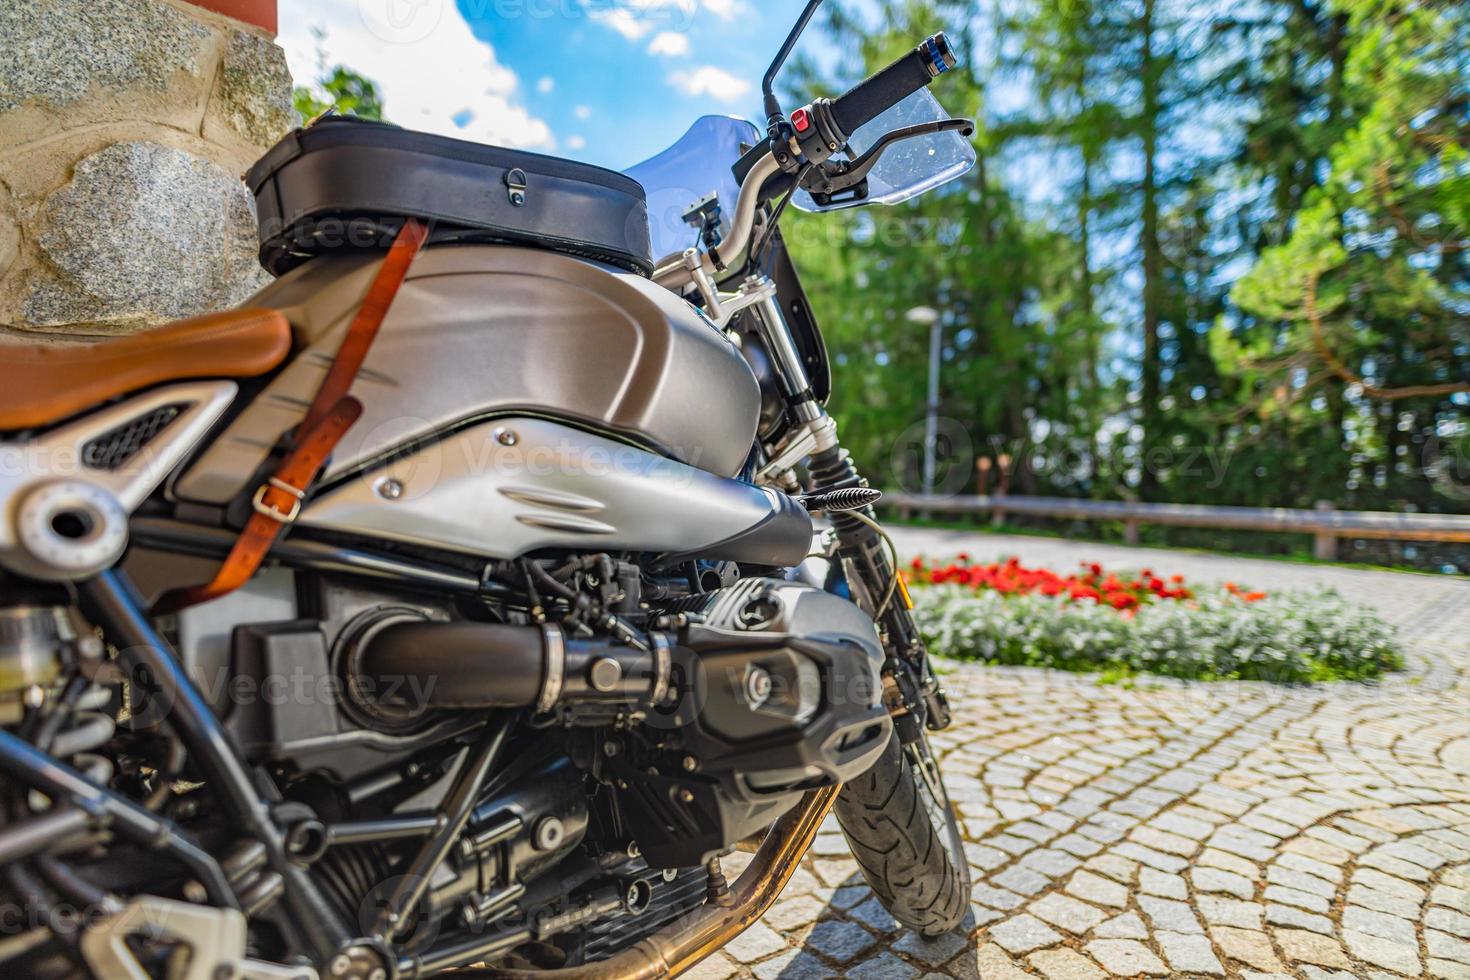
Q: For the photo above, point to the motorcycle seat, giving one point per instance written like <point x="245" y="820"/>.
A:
<point x="45" y="384"/>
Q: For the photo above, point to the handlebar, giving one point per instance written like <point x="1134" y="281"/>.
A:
<point x="861" y="105"/>
<point x="871" y="98"/>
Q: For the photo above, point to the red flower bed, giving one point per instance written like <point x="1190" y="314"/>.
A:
<point x="1092" y="584"/>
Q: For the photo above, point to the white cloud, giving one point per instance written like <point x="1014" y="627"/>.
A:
<point x="428" y="77"/>
<point x="583" y="112"/>
<point x="724" y="9"/>
<point x="670" y="44"/>
<point x="624" y="21"/>
<point x="545" y="85"/>
<point x="576" y="143"/>
<point x="709" y="80"/>
<point x="636" y="19"/>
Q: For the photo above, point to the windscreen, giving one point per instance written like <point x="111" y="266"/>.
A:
<point x="910" y="167"/>
<point x="697" y="166"/>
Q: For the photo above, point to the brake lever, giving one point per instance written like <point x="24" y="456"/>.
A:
<point x="834" y="177"/>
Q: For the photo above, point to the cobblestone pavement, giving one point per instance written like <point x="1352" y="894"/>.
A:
<point x="1174" y="829"/>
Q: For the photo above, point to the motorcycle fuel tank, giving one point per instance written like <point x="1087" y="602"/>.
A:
<point x="483" y="331"/>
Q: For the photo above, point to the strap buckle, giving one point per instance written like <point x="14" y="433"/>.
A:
<point x="274" y="513"/>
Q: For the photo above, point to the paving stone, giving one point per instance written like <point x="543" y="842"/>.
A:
<point x="1285" y="822"/>
<point x="1157" y="883"/>
<point x="1066" y="913"/>
<point x="1444" y="946"/>
<point x="1300" y="946"/>
<point x="989" y="962"/>
<point x="840" y="941"/>
<point x="1383" y="952"/>
<point x="797" y="964"/>
<point x="790" y="914"/>
<point x="1219" y="911"/>
<point x="1379" y="924"/>
<point x="1288" y="915"/>
<point x="1228" y="882"/>
<point x="1169" y="915"/>
<point x="1023" y="933"/>
<point x="1125" y="926"/>
<point x="1098" y="890"/>
<point x="996" y="898"/>
<point x="933" y="950"/>
<point x="1373" y="878"/>
<point x="873" y="915"/>
<point x="1235" y="864"/>
<point x="1176" y="823"/>
<point x="1114" y="866"/>
<point x="1248" y="946"/>
<point x="1065" y="964"/>
<point x="1051" y="863"/>
<point x="1301" y="899"/>
<point x="1301" y="881"/>
<point x="885" y="966"/>
<point x="1189" y="954"/>
<point x="985" y="858"/>
<point x="717" y="967"/>
<point x="1126" y="958"/>
<point x="1023" y="880"/>
<point x="755" y="943"/>
<point x="1448" y="920"/>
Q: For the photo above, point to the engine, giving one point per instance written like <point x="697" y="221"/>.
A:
<point x="658" y="722"/>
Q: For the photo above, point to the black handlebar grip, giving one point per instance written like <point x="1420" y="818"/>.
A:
<point x="875" y="96"/>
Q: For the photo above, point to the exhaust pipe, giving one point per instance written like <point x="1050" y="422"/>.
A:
<point x="486" y="666"/>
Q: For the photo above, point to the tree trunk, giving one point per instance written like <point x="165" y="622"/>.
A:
<point x="1153" y="257"/>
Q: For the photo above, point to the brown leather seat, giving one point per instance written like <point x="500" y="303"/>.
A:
<point x="40" y="385"/>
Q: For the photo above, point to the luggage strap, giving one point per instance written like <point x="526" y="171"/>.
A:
<point x="277" y="502"/>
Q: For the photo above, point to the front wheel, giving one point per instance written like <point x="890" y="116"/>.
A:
<point x="902" y="830"/>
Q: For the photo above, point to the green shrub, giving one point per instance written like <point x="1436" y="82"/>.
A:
<point x="1286" y="637"/>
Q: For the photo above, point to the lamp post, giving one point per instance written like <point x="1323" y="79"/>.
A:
<point x="927" y="316"/>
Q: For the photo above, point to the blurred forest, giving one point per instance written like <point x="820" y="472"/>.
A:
<point x="1210" y="253"/>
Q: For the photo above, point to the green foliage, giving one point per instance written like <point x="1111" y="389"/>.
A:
<point x="1250" y="244"/>
<point x="338" y="88"/>
<point x="1285" y="638"/>
<point x="343" y="89"/>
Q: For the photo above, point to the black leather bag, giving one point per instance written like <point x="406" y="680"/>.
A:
<point x="346" y="183"/>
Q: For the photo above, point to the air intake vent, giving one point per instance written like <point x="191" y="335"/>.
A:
<point x="117" y="447"/>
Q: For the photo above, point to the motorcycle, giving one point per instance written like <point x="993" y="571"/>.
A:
<point x="535" y="578"/>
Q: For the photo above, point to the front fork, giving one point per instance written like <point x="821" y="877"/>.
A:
<point x="916" y="698"/>
<point x="914" y="695"/>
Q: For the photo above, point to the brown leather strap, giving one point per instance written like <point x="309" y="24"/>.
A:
<point x="277" y="502"/>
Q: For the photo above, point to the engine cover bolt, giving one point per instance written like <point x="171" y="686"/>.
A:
<point x="549" y="833"/>
<point x="506" y="437"/>
<point x="605" y="674"/>
<point x="690" y="763"/>
<point x="757" y="686"/>
<point x="390" y="489"/>
<point x="686" y="796"/>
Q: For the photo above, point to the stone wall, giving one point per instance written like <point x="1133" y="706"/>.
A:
<point x="124" y="128"/>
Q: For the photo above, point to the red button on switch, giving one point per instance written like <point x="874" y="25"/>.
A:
<point x="802" y="120"/>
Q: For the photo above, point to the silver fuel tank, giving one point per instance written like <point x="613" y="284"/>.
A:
<point x="480" y="331"/>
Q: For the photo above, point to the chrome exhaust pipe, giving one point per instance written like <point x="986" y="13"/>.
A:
<point x="685" y="942"/>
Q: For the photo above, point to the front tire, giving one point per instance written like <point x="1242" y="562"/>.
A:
<point x="902" y="830"/>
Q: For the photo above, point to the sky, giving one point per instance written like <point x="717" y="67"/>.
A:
<point x="611" y="82"/>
